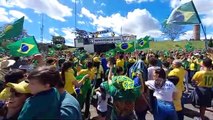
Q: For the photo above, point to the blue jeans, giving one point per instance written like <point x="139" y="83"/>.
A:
<point x="165" y="111"/>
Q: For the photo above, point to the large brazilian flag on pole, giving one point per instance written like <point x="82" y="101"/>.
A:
<point x="184" y="14"/>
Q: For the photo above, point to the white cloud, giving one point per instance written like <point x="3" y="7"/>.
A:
<point x="53" y="9"/>
<point x="94" y="1"/>
<point x="137" y="1"/>
<point x="187" y="36"/>
<point x="202" y="7"/>
<point x="44" y="40"/>
<point x="81" y="22"/>
<point x="77" y="1"/>
<point x="139" y="22"/>
<point x="11" y="15"/>
<point x="174" y="3"/>
<point x="17" y="14"/>
<point x="53" y="31"/>
<point x="209" y="36"/>
<point x="80" y="15"/>
<point x="103" y="4"/>
<point x="69" y="35"/>
<point x="87" y="13"/>
<point x="100" y="12"/>
<point x="207" y="12"/>
<point x="4" y="16"/>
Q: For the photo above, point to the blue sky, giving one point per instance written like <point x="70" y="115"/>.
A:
<point x="138" y="17"/>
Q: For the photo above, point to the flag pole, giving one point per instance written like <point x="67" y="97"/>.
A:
<point x="204" y="31"/>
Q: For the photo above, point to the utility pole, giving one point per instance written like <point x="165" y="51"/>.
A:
<point x="42" y="27"/>
<point x="75" y="40"/>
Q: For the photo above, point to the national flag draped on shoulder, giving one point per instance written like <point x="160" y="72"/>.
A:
<point x="185" y="13"/>
<point x="24" y="47"/>
<point x="12" y="30"/>
<point x="126" y="47"/>
<point x="142" y="43"/>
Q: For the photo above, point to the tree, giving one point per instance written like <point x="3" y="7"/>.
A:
<point x="172" y="31"/>
<point x="210" y="43"/>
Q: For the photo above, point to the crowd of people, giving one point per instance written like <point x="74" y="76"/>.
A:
<point x="122" y="87"/>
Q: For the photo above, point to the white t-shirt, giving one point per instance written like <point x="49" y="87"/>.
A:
<point x="102" y="104"/>
<point x="151" y="71"/>
<point x="165" y="93"/>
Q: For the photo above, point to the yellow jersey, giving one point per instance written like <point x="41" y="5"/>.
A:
<point x="192" y="66"/>
<point x="203" y="78"/>
<point x="120" y="63"/>
<point x="90" y="72"/>
<point x="69" y="78"/>
<point x="180" y="73"/>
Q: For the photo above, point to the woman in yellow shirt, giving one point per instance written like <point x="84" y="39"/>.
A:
<point x="204" y="82"/>
<point x="120" y="61"/>
<point x="68" y="77"/>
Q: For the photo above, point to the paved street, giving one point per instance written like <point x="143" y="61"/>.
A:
<point x="189" y="113"/>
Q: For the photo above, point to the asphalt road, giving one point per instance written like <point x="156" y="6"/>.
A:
<point x="189" y="113"/>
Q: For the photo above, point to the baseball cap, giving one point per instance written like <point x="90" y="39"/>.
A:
<point x="21" y="87"/>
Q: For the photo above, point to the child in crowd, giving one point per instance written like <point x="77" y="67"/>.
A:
<point x="45" y="102"/>
<point x="102" y="103"/>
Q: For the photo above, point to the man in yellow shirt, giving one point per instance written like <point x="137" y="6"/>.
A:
<point x="180" y="73"/>
<point x="91" y="72"/>
<point x="204" y="81"/>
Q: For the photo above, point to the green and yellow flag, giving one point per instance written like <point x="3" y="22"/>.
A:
<point x="51" y="52"/>
<point x="142" y="43"/>
<point x="24" y="47"/>
<point x="189" y="47"/>
<point x="110" y="53"/>
<point x="126" y="47"/>
<point x="12" y="30"/>
<point x="184" y="14"/>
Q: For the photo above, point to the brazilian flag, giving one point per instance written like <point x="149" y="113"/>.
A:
<point x="126" y="47"/>
<point x="110" y="53"/>
<point x="142" y="43"/>
<point x="184" y="14"/>
<point x="24" y="47"/>
<point x="13" y="30"/>
<point x="189" y="47"/>
<point x="51" y="52"/>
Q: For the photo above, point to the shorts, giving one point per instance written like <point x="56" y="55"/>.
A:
<point x="102" y="114"/>
<point x="204" y="96"/>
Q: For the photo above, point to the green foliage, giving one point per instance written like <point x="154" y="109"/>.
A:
<point x="210" y="43"/>
<point x="171" y="45"/>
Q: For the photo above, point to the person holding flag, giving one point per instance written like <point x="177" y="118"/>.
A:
<point x="124" y="94"/>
